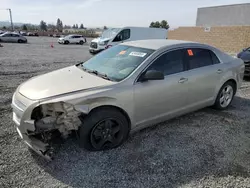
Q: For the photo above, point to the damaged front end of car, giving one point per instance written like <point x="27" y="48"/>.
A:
<point x="53" y="122"/>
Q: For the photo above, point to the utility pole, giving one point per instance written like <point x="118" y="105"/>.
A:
<point x="12" y="27"/>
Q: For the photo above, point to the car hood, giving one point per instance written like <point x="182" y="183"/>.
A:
<point x="61" y="38"/>
<point x="59" y="82"/>
<point x="98" y="40"/>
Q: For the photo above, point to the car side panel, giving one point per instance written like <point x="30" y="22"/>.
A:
<point x="202" y="84"/>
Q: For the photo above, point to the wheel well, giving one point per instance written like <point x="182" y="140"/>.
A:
<point x="108" y="107"/>
<point x="235" y="84"/>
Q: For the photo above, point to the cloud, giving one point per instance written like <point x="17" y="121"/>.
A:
<point x="87" y="3"/>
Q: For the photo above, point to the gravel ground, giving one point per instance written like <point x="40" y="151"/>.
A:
<point x="207" y="148"/>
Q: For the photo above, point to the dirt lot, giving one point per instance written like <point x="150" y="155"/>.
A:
<point x="202" y="149"/>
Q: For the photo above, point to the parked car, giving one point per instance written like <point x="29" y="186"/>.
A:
<point x="23" y="33"/>
<point x="12" y="37"/>
<point x="72" y="39"/>
<point x="56" y="35"/>
<point x="32" y="34"/>
<point x="245" y="56"/>
<point x="2" y="32"/>
<point x="114" y="36"/>
<point x="123" y="89"/>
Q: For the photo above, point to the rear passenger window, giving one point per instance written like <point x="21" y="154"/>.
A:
<point x="169" y="63"/>
<point x="214" y="58"/>
<point x="199" y="58"/>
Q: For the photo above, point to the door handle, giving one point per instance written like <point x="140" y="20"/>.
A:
<point x="219" y="71"/>
<point x="182" y="80"/>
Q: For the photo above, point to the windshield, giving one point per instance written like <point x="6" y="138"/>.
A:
<point x="118" y="62"/>
<point x="110" y="33"/>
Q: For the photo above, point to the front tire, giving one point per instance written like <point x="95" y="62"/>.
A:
<point x="81" y="42"/>
<point x="66" y="42"/>
<point x="225" y="95"/>
<point x="103" y="129"/>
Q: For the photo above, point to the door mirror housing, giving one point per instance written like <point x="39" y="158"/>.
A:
<point x="244" y="49"/>
<point x="152" y="75"/>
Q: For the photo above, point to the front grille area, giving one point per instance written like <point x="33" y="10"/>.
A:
<point x="93" y="45"/>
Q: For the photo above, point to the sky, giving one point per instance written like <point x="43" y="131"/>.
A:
<point x="111" y="13"/>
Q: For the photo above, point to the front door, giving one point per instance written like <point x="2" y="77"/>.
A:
<point x="122" y="36"/>
<point x="156" y="100"/>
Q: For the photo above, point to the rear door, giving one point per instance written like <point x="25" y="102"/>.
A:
<point x="77" y="38"/>
<point x="15" y="37"/>
<point x="204" y="72"/>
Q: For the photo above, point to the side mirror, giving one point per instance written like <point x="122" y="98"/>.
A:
<point x="244" y="49"/>
<point x="152" y="75"/>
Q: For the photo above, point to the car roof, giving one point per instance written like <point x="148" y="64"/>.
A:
<point x="156" y="44"/>
<point x="8" y="32"/>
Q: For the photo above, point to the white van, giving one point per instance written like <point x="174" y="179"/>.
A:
<point x="114" y="36"/>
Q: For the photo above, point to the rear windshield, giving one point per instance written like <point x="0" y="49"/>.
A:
<point x="117" y="62"/>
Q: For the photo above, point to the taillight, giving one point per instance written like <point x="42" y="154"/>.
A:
<point x="108" y="46"/>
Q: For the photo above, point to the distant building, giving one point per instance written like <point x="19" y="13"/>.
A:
<point x="72" y="30"/>
<point x="226" y="15"/>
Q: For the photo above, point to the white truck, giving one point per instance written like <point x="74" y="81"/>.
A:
<point x="114" y="36"/>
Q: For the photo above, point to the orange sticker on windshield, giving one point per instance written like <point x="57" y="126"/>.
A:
<point x="122" y="52"/>
<point x="190" y="52"/>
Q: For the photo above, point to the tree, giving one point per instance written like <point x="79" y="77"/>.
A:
<point x="4" y="27"/>
<point x="105" y="27"/>
<point x="24" y="27"/>
<point x="59" y="25"/>
<point x="157" y="24"/>
<point x="76" y="26"/>
<point x="66" y="27"/>
<point x="164" y="24"/>
<point x="81" y="26"/>
<point x="152" y="24"/>
<point x="43" y="25"/>
<point x="51" y="27"/>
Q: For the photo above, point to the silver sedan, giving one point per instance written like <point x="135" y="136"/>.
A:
<point x="12" y="37"/>
<point x="125" y="88"/>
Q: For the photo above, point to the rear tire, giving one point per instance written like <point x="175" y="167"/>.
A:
<point x="104" y="128"/>
<point x="225" y="96"/>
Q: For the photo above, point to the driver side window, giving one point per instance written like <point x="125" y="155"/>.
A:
<point x="169" y="63"/>
<point x="123" y="35"/>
